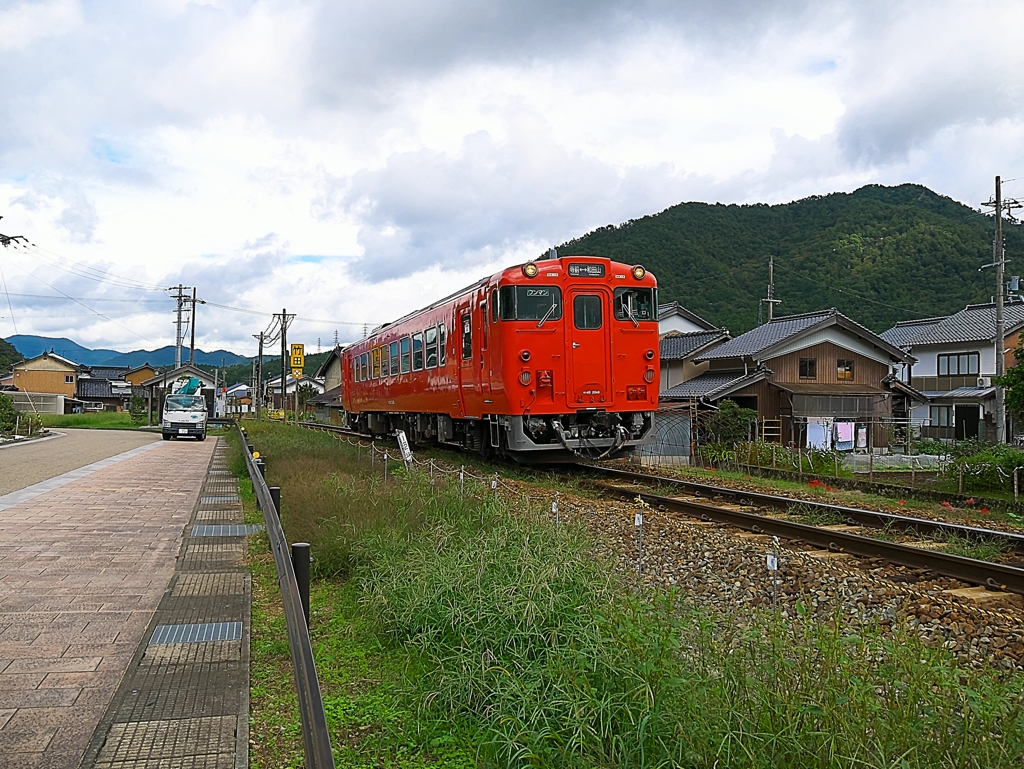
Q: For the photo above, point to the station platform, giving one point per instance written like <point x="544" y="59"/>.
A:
<point x="124" y="614"/>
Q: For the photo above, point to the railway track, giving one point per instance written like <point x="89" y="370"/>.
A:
<point x="745" y="510"/>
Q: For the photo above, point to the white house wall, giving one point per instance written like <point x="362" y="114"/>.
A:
<point x="928" y="357"/>
<point x="678" y="323"/>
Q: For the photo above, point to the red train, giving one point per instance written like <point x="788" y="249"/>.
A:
<point x="546" y="361"/>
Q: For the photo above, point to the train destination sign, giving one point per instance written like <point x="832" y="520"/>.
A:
<point x="577" y="270"/>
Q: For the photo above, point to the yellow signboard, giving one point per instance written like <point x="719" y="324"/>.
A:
<point x="298" y="356"/>
<point x="296" y="373"/>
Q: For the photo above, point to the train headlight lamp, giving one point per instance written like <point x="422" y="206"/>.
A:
<point x="639" y="272"/>
<point x="524" y="356"/>
<point x="530" y="270"/>
<point x="649" y="355"/>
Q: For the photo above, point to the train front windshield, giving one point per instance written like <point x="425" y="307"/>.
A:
<point x="530" y="303"/>
<point x="635" y="304"/>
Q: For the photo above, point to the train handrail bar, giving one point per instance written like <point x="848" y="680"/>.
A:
<point x="315" y="735"/>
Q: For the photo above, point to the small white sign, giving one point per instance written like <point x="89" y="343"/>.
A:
<point x="494" y="484"/>
<point x="638" y="519"/>
<point x="554" y="507"/>
<point x="403" y="445"/>
<point x="773" y="563"/>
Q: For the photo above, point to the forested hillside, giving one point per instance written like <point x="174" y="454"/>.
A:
<point x="880" y="254"/>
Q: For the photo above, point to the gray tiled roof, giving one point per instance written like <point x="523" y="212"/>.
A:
<point x="108" y="372"/>
<point x="701" y="386"/>
<point x="94" y="388"/>
<point x="906" y="332"/>
<point x="768" y="335"/>
<point x="974" y="323"/>
<point x="682" y="346"/>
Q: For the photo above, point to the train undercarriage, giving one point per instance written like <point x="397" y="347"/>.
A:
<point x="529" y="439"/>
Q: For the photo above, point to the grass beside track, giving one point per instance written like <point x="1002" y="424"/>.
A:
<point x="458" y="632"/>
<point x="119" y="420"/>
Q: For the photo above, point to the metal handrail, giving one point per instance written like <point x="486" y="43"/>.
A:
<point x="315" y="736"/>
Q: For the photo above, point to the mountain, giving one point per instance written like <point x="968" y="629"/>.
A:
<point x="879" y="255"/>
<point x="31" y="346"/>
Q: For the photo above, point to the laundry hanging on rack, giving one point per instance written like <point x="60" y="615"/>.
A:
<point x="862" y="436"/>
<point x="844" y="436"/>
<point x="819" y="434"/>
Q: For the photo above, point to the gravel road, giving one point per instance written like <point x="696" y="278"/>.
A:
<point x="24" y="464"/>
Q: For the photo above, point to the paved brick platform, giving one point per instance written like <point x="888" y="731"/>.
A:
<point x="84" y="563"/>
<point x="184" y="699"/>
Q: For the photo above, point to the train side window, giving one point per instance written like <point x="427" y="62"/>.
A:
<point x="494" y="306"/>
<point x="467" y="337"/>
<point x="366" y="366"/>
<point x="431" y="344"/>
<point x="375" y="363"/>
<point x="507" y="303"/>
<point x="417" y="351"/>
<point x="362" y="367"/>
<point x="394" y="359"/>
<point x="406" y="365"/>
<point x="586" y="311"/>
<point x="383" y="361"/>
<point x="442" y="342"/>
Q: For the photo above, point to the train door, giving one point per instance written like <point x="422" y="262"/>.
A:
<point x="485" y="329"/>
<point x="588" y="347"/>
<point x="467" y="348"/>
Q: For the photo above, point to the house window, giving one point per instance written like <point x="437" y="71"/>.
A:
<point x="844" y="368"/>
<point x="942" y="416"/>
<point x="959" y="364"/>
<point x="808" y="368"/>
<point x="69" y="379"/>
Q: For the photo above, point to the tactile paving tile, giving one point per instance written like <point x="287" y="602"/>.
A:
<point x="219" y="514"/>
<point x="213" y="554"/>
<point x="229" y="583"/>
<point x="154" y="743"/>
<point x="225" y="530"/>
<point x="192" y="653"/>
<point x="175" y="695"/>
<point x="200" y="633"/>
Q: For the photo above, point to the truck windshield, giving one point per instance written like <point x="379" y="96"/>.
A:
<point x="185" y="403"/>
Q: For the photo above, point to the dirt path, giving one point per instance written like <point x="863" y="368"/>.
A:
<point x="24" y="464"/>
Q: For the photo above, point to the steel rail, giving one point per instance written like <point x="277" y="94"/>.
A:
<point x="852" y="515"/>
<point x="316" y="737"/>
<point x="965" y="569"/>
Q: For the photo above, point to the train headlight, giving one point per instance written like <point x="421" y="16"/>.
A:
<point x="649" y="375"/>
<point x="524" y="356"/>
<point x="530" y="270"/>
<point x="649" y="355"/>
<point x="639" y="272"/>
<point x="524" y="378"/>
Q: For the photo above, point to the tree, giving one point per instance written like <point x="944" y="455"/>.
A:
<point x="8" y="356"/>
<point x="730" y="423"/>
<point x="8" y="414"/>
<point x="1013" y="382"/>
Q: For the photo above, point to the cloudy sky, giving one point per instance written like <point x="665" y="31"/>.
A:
<point x="353" y="160"/>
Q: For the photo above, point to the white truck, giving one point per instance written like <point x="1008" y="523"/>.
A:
<point x="184" y="415"/>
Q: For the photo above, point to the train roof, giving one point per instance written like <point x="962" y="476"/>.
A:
<point x="476" y="284"/>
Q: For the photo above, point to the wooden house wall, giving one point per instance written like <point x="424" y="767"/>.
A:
<point x="865" y="370"/>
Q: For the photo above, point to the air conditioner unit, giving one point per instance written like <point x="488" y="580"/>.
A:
<point x="984" y="381"/>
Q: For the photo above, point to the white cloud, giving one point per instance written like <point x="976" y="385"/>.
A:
<point x="318" y="155"/>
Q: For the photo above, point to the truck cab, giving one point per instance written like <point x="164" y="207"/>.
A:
<point x="184" y="415"/>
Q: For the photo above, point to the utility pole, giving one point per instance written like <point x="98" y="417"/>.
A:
<point x="258" y="386"/>
<point x="286" y="319"/>
<point x="999" y="261"/>
<point x="771" y="301"/>
<point x="180" y="297"/>
<point x="192" y="326"/>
